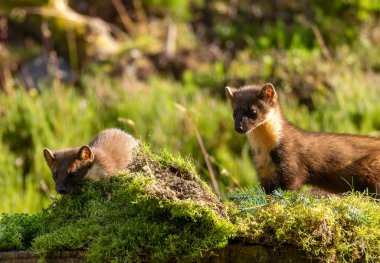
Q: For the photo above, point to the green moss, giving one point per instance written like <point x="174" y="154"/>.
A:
<point x="18" y="230"/>
<point x="157" y="211"/>
<point x="331" y="229"/>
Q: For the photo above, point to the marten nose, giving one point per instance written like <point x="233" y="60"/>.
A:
<point x="62" y="190"/>
<point x="239" y="128"/>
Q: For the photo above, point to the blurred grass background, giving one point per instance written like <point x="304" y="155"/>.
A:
<point x="159" y="73"/>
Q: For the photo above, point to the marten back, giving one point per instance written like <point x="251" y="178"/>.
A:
<point x="335" y="162"/>
<point x="113" y="149"/>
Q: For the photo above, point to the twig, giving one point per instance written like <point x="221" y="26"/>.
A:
<point x="207" y="160"/>
<point x="233" y="7"/>
<point x="6" y="75"/>
<point x="125" y="19"/>
<point x="46" y="37"/>
<point x="75" y="18"/>
<point x="171" y="40"/>
<point x="73" y="53"/>
<point x="140" y="16"/>
<point x="206" y="156"/>
<point x="325" y="51"/>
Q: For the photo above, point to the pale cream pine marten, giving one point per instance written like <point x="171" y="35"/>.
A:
<point x="287" y="157"/>
<point x="109" y="153"/>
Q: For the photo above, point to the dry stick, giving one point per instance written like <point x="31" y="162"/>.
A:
<point x="50" y="52"/>
<point x="233" y="7"/>
<point x="325" y="51"/>
<point x="171" y="40"/>
<point x="206" y="156"/>
<point x="46" y="37"/>
<point x="125" y="19"/>
<point x="140" y="16"/>
<point x="6" y="70"/>
<point x="73" y="53"/>
<point x="6" y="73"/>
<point x="207" y="160"/>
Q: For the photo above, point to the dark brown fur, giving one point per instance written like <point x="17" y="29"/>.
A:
<point x="334" y="162"/>
<point x="108" y="153"/>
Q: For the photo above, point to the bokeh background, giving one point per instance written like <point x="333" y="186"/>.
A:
<point x="157" y="69"/>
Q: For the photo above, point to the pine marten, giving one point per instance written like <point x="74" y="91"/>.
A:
<point x="287" y="157"/>
<point x="109" y="152"/>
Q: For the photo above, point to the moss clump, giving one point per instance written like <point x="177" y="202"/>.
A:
<point x="160" y="211"/>
<point x="331" y="229"/>
<point x="157" y="211"/>
<point x="18" y="230"/>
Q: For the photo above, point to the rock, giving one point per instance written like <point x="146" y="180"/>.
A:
<point x="42" y="70"/>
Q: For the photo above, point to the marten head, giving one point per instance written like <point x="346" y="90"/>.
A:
<point x="251" y="105"/>
<point x="69" y="166"/>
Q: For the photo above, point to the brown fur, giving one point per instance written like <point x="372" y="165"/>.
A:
<point x="108" y="153"/>
<point x="287" y="157"/>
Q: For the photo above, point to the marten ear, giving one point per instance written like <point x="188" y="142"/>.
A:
<point x="229" y="93"/>
<point x="267" y="92"/>
<point x="49" y="157"/>
<point x="85" y="154"/>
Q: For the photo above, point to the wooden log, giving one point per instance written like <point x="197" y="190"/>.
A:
<point x="232" y="253"/>
<point x="28" y="257"/>
<point x="92" y="37"/>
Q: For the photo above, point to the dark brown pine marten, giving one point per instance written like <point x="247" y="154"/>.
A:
<point x="287" y="157"/>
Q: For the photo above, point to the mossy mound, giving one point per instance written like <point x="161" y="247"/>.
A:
<point x="175" y="179"/>
<point x="158" y="211"/>
<point x="332" y="228"/>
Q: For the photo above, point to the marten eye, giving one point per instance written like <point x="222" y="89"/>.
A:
<point x="251" y="113"/>
<point x="72" y="175"/>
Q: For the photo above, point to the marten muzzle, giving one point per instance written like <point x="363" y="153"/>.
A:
<point x="239" y="127"/>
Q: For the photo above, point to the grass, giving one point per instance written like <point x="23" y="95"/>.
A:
<point x="63" y="116"/>
<point x="276" y="50"/>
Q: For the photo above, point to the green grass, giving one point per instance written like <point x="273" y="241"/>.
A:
<point x="344" y="92"/>
<point x="63" y="116"/>
<point x="59" y="117"/>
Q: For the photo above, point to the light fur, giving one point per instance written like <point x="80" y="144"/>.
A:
<point x="262" y="140"/>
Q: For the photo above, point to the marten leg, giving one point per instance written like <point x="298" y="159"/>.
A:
<point x="268" y="184"/>
<point x="291" y="178"/>
<point x="371" y="172"/>
<point x="365" y="173"/>
<point x="293" y="183"/>
<point x="284" y="181"/>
